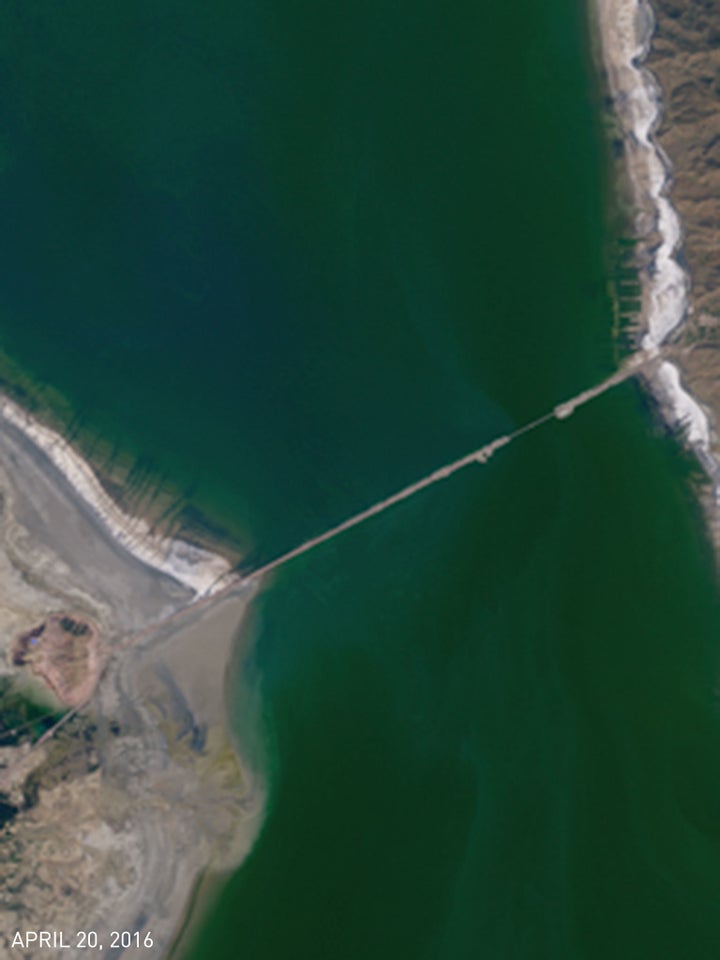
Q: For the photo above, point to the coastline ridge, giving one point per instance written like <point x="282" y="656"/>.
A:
<point x="197" y="569"/>
<point x="625" y="30"/>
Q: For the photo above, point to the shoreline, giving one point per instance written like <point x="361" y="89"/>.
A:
<point x="196" y="568"/>
<point x="625" y="30"/>
<point x="146" y="774"/>
<point x="175" y="672"/>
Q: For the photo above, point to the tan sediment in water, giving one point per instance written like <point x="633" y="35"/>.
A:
<point x="142" y="792"/>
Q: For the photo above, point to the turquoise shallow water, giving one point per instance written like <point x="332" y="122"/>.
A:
<point x="295" y="257"/>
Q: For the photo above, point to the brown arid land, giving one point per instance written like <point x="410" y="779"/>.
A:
<point x="661" y="65"/>
<point x="685" y="59"/>
<point x="65" y="652"/>
<point x="110" y="823"/>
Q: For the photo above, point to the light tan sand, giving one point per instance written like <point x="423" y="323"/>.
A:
<point x="142" y="792"/>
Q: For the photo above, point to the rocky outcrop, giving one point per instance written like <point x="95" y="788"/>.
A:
<point x="65" y="653"/>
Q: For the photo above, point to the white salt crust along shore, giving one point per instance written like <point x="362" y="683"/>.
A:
<point x="199" y="570"/>
<point x="626" y="28"/>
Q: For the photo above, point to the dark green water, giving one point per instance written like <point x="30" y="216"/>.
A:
<point x="297" y="255"/>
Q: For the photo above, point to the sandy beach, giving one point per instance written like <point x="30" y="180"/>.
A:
<point x="198" y="569"/>
<point x="625" y="31"/>
<point x="115" y="818"/>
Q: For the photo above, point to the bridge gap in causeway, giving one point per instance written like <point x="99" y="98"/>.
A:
<point x="636" y="363"/>
<point x="633" y="365"/>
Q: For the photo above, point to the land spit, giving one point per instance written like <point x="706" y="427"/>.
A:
<point x="108" y="825"/>
<point x="144" y="775"/>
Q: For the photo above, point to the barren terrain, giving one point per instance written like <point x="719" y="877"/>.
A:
<point x="108" y="824"/>
<point x="685" y="58"/>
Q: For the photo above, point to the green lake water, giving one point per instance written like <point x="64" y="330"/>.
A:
<point x="295" y="256"/>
